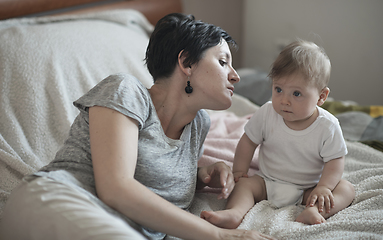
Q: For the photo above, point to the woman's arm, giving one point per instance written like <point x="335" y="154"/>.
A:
<point x="114" y="143"/>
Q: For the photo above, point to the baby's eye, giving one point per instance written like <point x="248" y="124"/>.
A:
<point x="278" y="89"/>
<point x="297" y="94"/>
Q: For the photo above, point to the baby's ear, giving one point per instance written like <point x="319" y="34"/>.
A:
<point x="323" y="95"/>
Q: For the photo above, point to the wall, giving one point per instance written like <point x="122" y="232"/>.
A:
<point x="351" y="32"/>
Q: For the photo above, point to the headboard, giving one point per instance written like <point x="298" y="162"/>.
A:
<point x="152" y="9"/>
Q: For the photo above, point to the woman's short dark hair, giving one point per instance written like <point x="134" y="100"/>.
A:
<point x="178" y="32"/>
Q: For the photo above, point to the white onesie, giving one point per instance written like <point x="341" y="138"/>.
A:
<point x="293" y="157"/>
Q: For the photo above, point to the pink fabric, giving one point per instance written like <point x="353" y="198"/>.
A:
<point x="225" y="131"/>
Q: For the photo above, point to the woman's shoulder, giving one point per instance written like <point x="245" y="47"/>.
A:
<point x="123" y="79"/>
<point x="121" y="85"/>
<point x="121" y="92"/>
<point x="203" y="117"/>
<point x="201" y="124"/>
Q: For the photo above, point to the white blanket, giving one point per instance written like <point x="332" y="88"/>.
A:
<point x="362" y="220"/>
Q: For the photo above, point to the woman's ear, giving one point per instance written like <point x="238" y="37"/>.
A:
<point x="186" y="69"/>
<point x="323" y="95"/>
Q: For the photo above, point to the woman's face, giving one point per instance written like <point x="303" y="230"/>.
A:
<point x="213" y="77"/>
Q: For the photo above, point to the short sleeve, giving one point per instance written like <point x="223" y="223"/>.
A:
<point x="334" y="146"/>
<point x="254" y="127"/>
<point x="123" y="93"/>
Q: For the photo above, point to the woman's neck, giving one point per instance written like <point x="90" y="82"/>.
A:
<point x="169" y="103"/>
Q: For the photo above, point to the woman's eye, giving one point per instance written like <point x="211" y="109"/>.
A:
<point x="297" y="94"/>
<point x="222" y="62"/>
<point x="278" y="89"/>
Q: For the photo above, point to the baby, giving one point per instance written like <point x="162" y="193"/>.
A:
<point x="301" y="155"/>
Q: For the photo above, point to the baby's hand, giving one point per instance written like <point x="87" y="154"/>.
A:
<point x="323" y="196"/>
<point x="238" y="175"/>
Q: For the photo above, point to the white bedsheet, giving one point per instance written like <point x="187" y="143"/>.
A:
<point x="362" y="220"/>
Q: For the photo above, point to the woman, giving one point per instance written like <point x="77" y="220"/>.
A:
<point x="131" y="156"/>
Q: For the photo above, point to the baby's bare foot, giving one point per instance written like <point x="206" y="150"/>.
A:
<point x="225" y="219"/>
<point x="310" y="216"/>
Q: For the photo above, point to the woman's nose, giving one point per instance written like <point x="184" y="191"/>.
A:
<point x="233" y="76"/>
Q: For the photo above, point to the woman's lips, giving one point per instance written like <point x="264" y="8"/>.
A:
<point x="231" y="90"/>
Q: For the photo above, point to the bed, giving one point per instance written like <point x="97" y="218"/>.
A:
<point x="48" y="61"/>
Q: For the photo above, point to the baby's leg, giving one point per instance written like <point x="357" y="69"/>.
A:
<point x="246" y="193"/>
<point x="343" y="193"/>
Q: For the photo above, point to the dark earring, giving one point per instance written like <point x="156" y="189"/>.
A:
<point x="188" y="88"/>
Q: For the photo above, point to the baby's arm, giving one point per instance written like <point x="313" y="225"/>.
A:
<point x="243" y="156"/>
<point x="331" y="175"/>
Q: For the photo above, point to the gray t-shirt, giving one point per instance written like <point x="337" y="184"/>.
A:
<point x="166" y="166"/>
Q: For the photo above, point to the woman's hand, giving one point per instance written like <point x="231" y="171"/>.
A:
<point x="323" y="196"/>
<point x="217" y="175"/>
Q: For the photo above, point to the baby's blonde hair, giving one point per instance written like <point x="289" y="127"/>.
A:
<point x="305" y="58"/>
